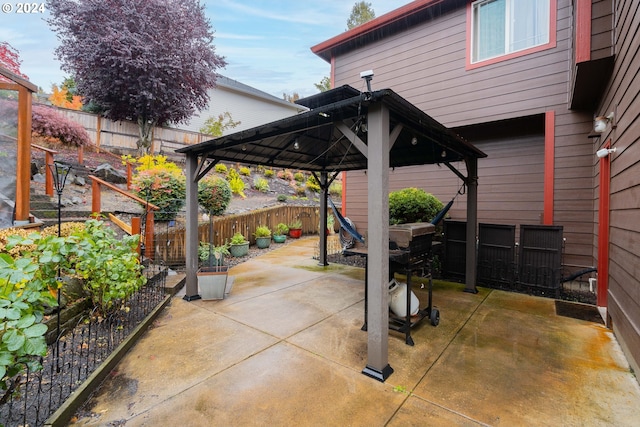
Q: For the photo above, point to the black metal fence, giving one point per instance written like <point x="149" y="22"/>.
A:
<point x="76" y="355"/>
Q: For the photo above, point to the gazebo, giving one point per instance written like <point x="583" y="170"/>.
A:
<point x="345" y="130"/>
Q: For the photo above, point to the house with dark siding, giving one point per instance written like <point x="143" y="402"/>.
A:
<point x="523" y="82"/>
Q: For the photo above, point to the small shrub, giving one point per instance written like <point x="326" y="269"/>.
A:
<point x="412" y="205"/>
<point x="48" y="123"/>
<point x="261" y="184"/>
<point x="244" y="170"/>
<point x="220" y="168"/>
<point x="300" y="190"/>
<point x="298" y="176"/>
<point x="312" y="184"/>
<point x="214" y="194"/>
<point x="237" y="186"/>
<point x="262" y="231"/>
<point x="238" y="239"/>
<point x="281" y="229"/>
<point x="161" y="183"/>
<point x="269" y="173"/>
<point x="282" y="198"/>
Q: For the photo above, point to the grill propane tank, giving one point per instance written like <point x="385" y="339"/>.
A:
<point x="398" y="299"/>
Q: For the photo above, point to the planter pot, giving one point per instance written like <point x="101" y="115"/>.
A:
<point x="279" y="238"/>
<point x="295" y="233"/>
<point x="212" y="282"/>
<point x="239" y="250"/>
<point x="263" y="242"/>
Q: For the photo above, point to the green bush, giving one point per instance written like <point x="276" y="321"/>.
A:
<point x="269" y="173"/>
<point x="412" y="205"/>
<point x="214" y="194"/>
<point x="237" y="184"/>
<point x="298" y="176"/>
<point x="110" y="266"/>
<point x="244" y="170"/>
<point x="29" y="270"/>
<point x="282" y="198"/>
<point x="261" y="184"/>
<point x="312" y="184"/>
<point x="220" y="168"/>
<point x="161" y="183"/>
<point x="23" y="298"/>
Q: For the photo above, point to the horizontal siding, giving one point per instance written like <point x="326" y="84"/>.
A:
<point x="601" y="29"/>
<point x="621" y="97"/>
<point x="426" y="65"/>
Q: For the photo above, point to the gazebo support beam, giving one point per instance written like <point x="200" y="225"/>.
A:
<point x="378" y="244"/>
<point x="192" y="242"/>
<point x="472" y="225"/>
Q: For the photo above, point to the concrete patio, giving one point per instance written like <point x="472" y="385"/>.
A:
<point x="285" y="348"/>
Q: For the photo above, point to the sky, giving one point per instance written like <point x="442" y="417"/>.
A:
<point x="266" y="43"/>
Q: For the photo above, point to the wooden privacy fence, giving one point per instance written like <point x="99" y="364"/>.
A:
<point x="122" y="136"/>
<point x="170" y="243"/>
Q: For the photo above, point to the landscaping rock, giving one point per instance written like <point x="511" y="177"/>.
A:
<point x="110" y="174"/>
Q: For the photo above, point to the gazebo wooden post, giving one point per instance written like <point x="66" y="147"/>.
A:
<point x="378" y="243"/>
<point x="23" y="167"/>
<point x="191" y="243"/>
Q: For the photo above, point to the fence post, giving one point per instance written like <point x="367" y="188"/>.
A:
<point x="95" y="197"/>
<point x="48" y="177"/>
<point x="149" y="231"/>
<point x="135" y="229"/>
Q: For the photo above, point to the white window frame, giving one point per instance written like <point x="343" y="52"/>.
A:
<point x="543" y="36"/>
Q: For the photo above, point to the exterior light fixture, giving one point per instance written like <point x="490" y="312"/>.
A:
<point x="604" y="152"/>
<point x="296" y="146"/>
<point x="414" y="141"/>
<point x="443" y="154"/>
<point x="600" y="123"/>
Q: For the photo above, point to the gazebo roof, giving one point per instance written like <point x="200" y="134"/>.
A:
<point x="332" y="136"/>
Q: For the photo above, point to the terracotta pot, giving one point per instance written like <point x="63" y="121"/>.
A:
<point x="295" y="233"/>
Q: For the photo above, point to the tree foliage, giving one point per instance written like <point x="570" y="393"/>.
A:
<point x="151" y="61"/>
<point x="216" y="127"/>
<point x="360" y="13"/>
<point x="291" y="98"/>
<point x="324" y="85"/>
<point x="10" y="59"/>
<point x="60" y="98"/>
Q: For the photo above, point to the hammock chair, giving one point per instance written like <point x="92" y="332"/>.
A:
<point x="347" y="225"/>
<point x="440" y="216"/>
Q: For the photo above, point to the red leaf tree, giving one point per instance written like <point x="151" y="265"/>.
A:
<point x="10" y="59"/>
<point x="146" y="60"/>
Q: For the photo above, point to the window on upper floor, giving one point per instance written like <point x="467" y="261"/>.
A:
<point x="503" y="27"/>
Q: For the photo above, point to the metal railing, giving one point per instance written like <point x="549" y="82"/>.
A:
<point x="82" y="350"/>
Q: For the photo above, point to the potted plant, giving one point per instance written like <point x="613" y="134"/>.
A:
<point x="295" y="229"/>
<point x="212" y="278"/>
<point x="238" y="246"/>
<point x="280" y="233"/>
<point x="211" y="255"/>
<point x="263" y="237"/>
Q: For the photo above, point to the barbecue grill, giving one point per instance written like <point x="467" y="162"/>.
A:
<point x="409" y="253"/>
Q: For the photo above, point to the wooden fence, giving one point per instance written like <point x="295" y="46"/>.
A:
<point x="121" y="137"/>
<point x="170" y="243"/>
